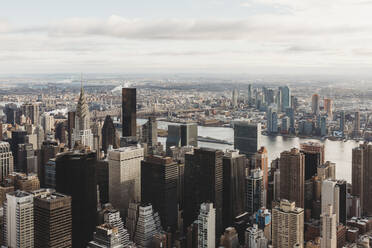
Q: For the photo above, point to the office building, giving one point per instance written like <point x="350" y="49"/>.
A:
<point x="229" y="238"/>
<point x="272" y="119"/>
<point x="129" y="112"/>
<point x="24" y="182"/>
<point x="19" y="219"/>
<point x="329" y="228"/>
<point x="285" y="95"/>
<point x="75" y="176"/>
<point x="342" y="123"/>
<point x="206" y="226"/>
<point x="255" y="238"/>
<point x="328" y="108"/>
<point x="105" y="236"/>
<point x="261" y="161"/>
<point x="254" y="191"/>
<point x="49" y="150"/>
<point x="125" y="177"/>
<point x="47" y="122"/>
<point x="182" y="135"/>
<point x="26" y="159"/>
<point x="234" y="165"/>
<point x="12" y="113"/>
<point x="102" y="179"/>
<point x="50" y="174"/>
<point x="342" y="208"/>
<point x="18" y="137"/>
<point x="315" y="104"/>
<point x="314" y="157"/>
<point x="263" y="221"/>
<point x="250" y="94"/>
<point x="235" y="97"/>
<point x="204" y="180"/>
<point x="6" y="160"/>
<point x="356" y="129"/>
<point x="150" y="132"/>
<point x="159" y="187"/>
<point x="247" y="137"/>
<point x="132" y="218"/>
<point x="330" y="196"/>
<point x="292" y="176"/>
<point x="109" y="137"/>
<point x="287" y="225"/>
<point x="327" y="171"/>
<point x="53" y="219"/>
<point x="31" y="112"/>
<point x="61" y="133"/>
<point x="146" y="226"/>
<point x="70" y="127"/>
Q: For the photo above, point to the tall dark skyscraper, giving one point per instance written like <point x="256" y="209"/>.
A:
<point x="342" y="216"/>
<point x="203" y="183"/>
<point x="31" y="111"/>
<point x="70" y="126"/>
<point x="314" y="157"/>
<point x="26" y="159"/>
<point x="75" y="176"/>
<point x="150" y="132"/>
<point x="129" y="114"/>
<point x="234" y="165"/>
<point x="247" y="137"/>
<point x="109" y="134"/>
<point x="61" y="129"/>
<point x="18" y="137"/>
<point x="49" y="149"/>
<point x="292" y="176"/>
<point x="12" y="113"/>
<point x="159" y="180"/>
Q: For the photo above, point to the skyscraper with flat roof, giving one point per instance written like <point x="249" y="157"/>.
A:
<point x="254" y="191"/>
<point x="285" y="95"/>
<point x="76" y="176"/>
<point x="314" y="157"/>
<point x="125" y="177"/>
<point x="292" y="176"/>
<point x="315" y="106"/>
<point x="329" y="228"/>
<point x="6" y="160"/>
<point x="206" y="226"/>
<point x="129" y="112"/>
<point x="109" y="134"/>
<point x="247" y="137"/>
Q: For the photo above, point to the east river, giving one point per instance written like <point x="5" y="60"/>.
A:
<point x="338" y="152"/>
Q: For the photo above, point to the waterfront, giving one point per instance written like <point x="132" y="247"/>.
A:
<point x="338" y="152"/>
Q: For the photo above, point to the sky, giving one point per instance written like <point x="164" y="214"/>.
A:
<point x="186" y="36"/>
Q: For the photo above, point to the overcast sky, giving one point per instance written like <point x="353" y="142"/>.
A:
<point x="211" y="36"/>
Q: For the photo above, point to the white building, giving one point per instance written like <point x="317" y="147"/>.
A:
<point x="47" y="122"/>
<point x="125" y="177"/>
<point x="146" y="227"/>
<point x="19" y="220"/>
<point x="329" y="229"/>
<point x="207" y="226"/>
<point x="6" y="160"/>
<point x="255" y="238"/>
<point x="330" y="196"/>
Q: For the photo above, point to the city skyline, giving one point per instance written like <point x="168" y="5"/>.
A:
<point x="239" y="36"/>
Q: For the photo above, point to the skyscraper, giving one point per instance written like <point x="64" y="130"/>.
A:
<point x="6" y="160"/>
<point x="233" y="184"/>
<point x="287" y="225"/>
<point x="247" y="137"/>
<point x="146" y="226"/>
<point x="285" y="95"/>
<point x="125" y="177"/>
<point x="357" y="171"/>
<point x="329" y="228"/>
<point x="356" y="129"/>
<point x="272" y="120"/>
<point x="105" y="236"/>
<point x="70" y="127"/>
<point x="204" y="180"/>
<point x="315" y="106"/>
<point x="342" y="123"/>
<point x="19" y="219"/>
<point x="292" y="176"/>
<point x="129" y="115"/>
<point x="261" y="161"/>
<point x="314" y="157"/>
<point x="250" y="93"/>
<point x="182" y="135"/>
<point x="26" y="159"/>
<point x="150" y="132"/>
<point x="81" y="131"/>
<point x="254" y="191"/>
<point x="206" y="226"/>
<point x="109" y="134"/>
<point x="235" y="96"/>
<point x="328" y="107"/>
<point x="75" y="176"/>
<point x="18" y="137"/>
<point x="254" y="237"/>
<point x="159" y="180"/>
<point x="330" y="196"/>
<point x="53" y="224"/>
<point x="31" y="111"/>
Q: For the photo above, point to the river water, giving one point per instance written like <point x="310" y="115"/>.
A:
<point x="338" y="152"/>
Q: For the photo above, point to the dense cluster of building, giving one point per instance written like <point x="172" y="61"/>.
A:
<point x="75" y="182"/>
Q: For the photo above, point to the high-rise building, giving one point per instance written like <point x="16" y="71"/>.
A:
<point x="292" y="176"/>
<point x="356" y="129"/>
<point x="342" y="123"/>
<point x="47" y="122"/>
<point x="129" y="115"/>
<point x="272" y="119"/>
<point x="235" y="96"/>
<point x="70" y="127"/>
<point x="146" y="226"/>
<point x="26" y="159"/>
<point x="329" y="228"/>
<point x="285" y="95"/>
<point x="261" y="161"/>
<point x="75" y="176"/>
<point x="287" y="225"/>
<point x="255" y="238"/>
<point x="250" y="94"/>
<point x="24" y="182"/>
<point x="52" y="215"/>
<point x="132" y="218"/>
<point x="82" y="133"/>
<point x="31" y="112"/>
<point x="125" y="177"/>
<point x="109" y="134"/>
<point x="18" y="137"/>
<point x="314" y="157"/>
<point x="182" y="135"/>
<point x="49" y="150"/>
<point x="105" y="236"/>
<point x="254" y="191"/>
<point x="342" y="209"/>
<point x="150" y="132"/>
<point x="247" y="137"/>
<point x="234" y="165"/>
<point x="12" y="113"/>
<point x="328" y="107"/>
<point x="229" y="239"/>
<point x="19" y="219"/>
<point x="102" y="179"/>
<point x="159" y="181"/>
<point x="6" y="160"/>
<point x="61" y="132"/>
<point x="203" y="183"/>
<point x="330" y="196"/>
<point x="206" y="226"/>
<point x="50" y="174"/>
<point x="362" y="176"/>
<point x="315" y="106"/>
